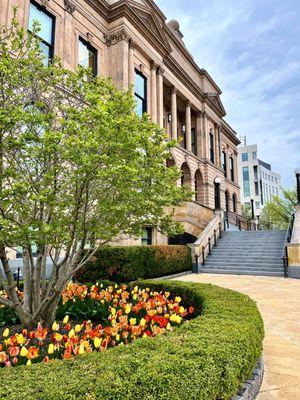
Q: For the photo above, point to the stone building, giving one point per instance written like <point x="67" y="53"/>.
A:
<point x="131" y="42"/>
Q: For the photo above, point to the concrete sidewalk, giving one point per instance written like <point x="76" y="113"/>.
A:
<point x="278" y="300"/>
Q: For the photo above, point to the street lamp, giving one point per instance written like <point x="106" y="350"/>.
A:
<point x="252" y="208"/>
<point x="297" y="173"/>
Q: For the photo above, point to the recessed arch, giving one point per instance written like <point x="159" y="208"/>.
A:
<point x="199" y="187"/>
<point x="186" y="177"/>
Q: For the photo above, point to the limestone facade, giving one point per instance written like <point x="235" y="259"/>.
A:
<point x="130" y="38"/>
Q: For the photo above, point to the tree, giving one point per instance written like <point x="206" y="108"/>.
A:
<point x="78" y="168"/>
<point x="278" y="211"/>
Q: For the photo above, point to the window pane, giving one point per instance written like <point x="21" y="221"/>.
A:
<point x="45" y="21"/>
<point x="87" y="56"/>
<point x="139" y="106"/>
<point x="45" y="49"/>
<point x="245" y="157"/>
<point x="140" y="85"/>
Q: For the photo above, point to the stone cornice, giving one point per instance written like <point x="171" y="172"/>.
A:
<point x="116" y="37"/>
<point x="69" y="6"/>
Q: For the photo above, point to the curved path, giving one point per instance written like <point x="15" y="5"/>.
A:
<point x="278" y="300"/>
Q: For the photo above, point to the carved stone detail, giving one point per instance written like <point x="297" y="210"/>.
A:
<point x="69" y="6"/>
<point x="116" y="37"/>
<point x="131" y="43"/>
<point x="45" y="2"/>
<point x="160" y="70"/>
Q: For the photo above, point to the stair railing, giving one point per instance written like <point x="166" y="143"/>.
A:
<point x="211" y="241"/>
<point x="287" y="240"/>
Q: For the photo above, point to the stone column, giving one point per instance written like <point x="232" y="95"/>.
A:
<point x="205" y="136"/>
<point x="199" y="138"/>
<point x="216" y="135"/>
<point x="235" y="166"/>
<point x="174" y="113"/>
<point x="153" y="92"/>
<point x="160" y="96"/>
<point x="130" y="63"/>
<point x="188" y="126"/>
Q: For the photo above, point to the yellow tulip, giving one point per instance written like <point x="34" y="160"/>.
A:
<point x="23" y="352"/>
<point x="55" y="326"/>
<point x="168" y="326"/>
<point x="127" y="309"/>
<point x="51" y="348"/>
<point x="132" y="321"/>
<point x="181" y="310"/>
<point x="5" y="332"/>
<point x="135" y="296"/>
<point x="28" y="363"/>
<point x="78" y="328"/>
<point x="66" y="320"/>
<point x="177" y="299"/>
<point x="136" y="288"/>
<point x="142" y="322"/>
<point x="81" y="350"/>
<point x="117" y="337"/>
<point x="113" y="311"/>
<point x="21" y="339"/>
<point x="71" y="333"/>
<point x="97" y="342"/>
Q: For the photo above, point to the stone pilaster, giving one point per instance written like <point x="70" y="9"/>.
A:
<point x="174" y="113"/>
<point x="205" y="136"/>
<point x="131" y="46"/>
<point x="160" y="96"/>
<point x="199" y="137"/>
<point x="153" y="91"/>
<point x="188" y="126"/>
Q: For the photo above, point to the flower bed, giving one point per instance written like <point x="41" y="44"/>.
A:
<point x="206" y="358"/>
<point x="125" y="315"/>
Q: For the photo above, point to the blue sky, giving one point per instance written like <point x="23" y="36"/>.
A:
<point x="252" y="50"/>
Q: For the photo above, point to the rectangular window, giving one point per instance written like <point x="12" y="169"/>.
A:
<point x="140" y="93"/>
<point x="255" y="172"/>
<point x="256" y="189"/>
<point x="257" y="205"/>
<point x="87" y="56"/>
<point x="231" y="169"/>
<point x="147" y="237"/>
<point x="276" y="180"/>
<point x="254" y="155"/>
<point x="246" y="181"/>
<point x="194" y="141"/>
<point x="211" y="148"/>
<point x="244" y="156"/>
<point x="46" y="33"/>
<point x="224" y="163"/>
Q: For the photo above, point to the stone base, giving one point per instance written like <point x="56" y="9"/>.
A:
<point x="251" y="387"/>
<point x="294" y="272"/>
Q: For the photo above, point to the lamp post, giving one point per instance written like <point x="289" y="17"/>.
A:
<point x="297" y="173"/>
<point x="252" y="208"/>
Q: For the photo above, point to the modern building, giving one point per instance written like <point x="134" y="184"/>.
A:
<point x="257" y="180"/>
<point x="132" y="42"/>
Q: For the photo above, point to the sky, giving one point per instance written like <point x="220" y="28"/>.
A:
<point x="251" y="48"/>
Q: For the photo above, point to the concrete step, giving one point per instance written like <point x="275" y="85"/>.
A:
<point x="248" y="267"/>
<point x="243" y="258"/>
<point x="239" y="272"/>
<point x="243" y="263"/>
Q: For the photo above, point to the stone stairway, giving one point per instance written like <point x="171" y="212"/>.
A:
<point x="247" y="253"/>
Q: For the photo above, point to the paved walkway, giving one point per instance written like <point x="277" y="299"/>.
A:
<point x="279" y="302"/>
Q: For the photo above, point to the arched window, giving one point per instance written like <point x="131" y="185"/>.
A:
<point x="234" y="202"/>
<point x="199" y="187"/>
<point x="217" y="185"/>
<point x="226" y="200"/>
<point x="186" y="175"/>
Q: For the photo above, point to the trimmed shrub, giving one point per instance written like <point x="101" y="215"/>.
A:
<point x="126" y="264"/>
<point x="207" y="358"/>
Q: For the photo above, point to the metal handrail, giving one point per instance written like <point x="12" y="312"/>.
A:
<point x="288" y="237"/>
<point x="238" y="219"/>
<point x="216" y="235"/>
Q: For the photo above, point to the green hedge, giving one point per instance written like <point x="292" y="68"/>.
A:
<point x="206" y="358"/>
<point x="125" y="264"/>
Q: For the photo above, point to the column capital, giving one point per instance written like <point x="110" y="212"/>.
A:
<point x="173" y="90"/>
<point x="188" y="103"/>
<point x="131" y="43"/>
<point x="154" y="65"/>
<point x="198" y="114"/>
<point x="160" y="70"/>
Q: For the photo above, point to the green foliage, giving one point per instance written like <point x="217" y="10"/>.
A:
<point x="125" y="264"/>
<point x="206" y="358"/>
<point x="78" y="166"/>
<point x="278" y="211"/>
